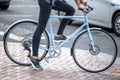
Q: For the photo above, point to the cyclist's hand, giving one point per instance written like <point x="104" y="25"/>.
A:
<point x="82" y="7"/>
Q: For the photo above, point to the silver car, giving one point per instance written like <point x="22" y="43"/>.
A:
<point x="4" y="4"/>
<point x="106" y="13"/>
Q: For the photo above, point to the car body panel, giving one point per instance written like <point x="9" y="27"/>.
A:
<point x="4" y="1"/>
<point x="4" y="4"/>
<point x="103" y="11"/>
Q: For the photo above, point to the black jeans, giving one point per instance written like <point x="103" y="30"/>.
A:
<point x="45" y="10"/>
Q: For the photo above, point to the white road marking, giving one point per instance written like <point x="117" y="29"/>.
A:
<point x="16" y="15"/>
<point x="32" y="6"/>
<point x="1" y="33"/>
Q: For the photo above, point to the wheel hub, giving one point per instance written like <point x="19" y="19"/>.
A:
<point x="117" y="24"/>
<point x="96" y="52"/>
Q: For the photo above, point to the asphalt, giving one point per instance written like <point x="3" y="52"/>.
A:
<point x="61" y="68"/>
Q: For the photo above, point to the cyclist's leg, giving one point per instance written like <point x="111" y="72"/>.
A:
<point x="68" y="9"/>
<point x="45" y="9"/>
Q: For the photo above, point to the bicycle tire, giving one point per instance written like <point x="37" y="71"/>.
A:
<point x="16" y="35"/>
<point x="102" y="59"/>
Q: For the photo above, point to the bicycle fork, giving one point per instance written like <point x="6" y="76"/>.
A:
<point x="92" y="44"/>
<point x="94" y="49"/>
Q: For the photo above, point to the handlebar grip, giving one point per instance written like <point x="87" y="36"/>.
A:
<point x="90" y="7"/>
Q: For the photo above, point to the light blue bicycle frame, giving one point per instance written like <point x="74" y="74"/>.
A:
<point x="74" y="34"/>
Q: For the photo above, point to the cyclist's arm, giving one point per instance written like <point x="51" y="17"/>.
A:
<point x="77" y="2"/>
<point x="84" y="2"/>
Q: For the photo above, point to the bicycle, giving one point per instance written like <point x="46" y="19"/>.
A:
<point x="93" y="49"/>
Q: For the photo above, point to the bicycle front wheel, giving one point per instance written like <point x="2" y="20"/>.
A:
<point x="18" y="42"/>
<point x="102" y="58"/>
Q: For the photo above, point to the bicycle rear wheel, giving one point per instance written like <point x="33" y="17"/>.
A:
<point x="18" y="42"/>
<point x="102" y="58"/>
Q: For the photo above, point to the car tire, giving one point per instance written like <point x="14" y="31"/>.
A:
<point x="4" y="7"/>
<point x="116" y="23"/>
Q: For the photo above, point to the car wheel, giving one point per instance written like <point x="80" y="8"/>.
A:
<point x="62" y="14"/>
<point x="116" y="24"/>
<point x="5" y="7"/>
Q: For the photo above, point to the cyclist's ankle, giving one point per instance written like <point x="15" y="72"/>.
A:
<point x="35" y="57"/>
<point x="58" y="35"/>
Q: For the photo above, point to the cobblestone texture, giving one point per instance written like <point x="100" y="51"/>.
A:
<point x="61" y="68"/>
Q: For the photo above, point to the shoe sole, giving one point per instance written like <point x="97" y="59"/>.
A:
<point x="60" y="40"/>
<point x="34" y="66"/>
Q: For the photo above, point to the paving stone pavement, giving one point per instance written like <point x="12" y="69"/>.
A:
<point x="61" y="68"/>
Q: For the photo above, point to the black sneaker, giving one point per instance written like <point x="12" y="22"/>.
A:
<point x="60" y="38"/>
<point x="35" y="63"/>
